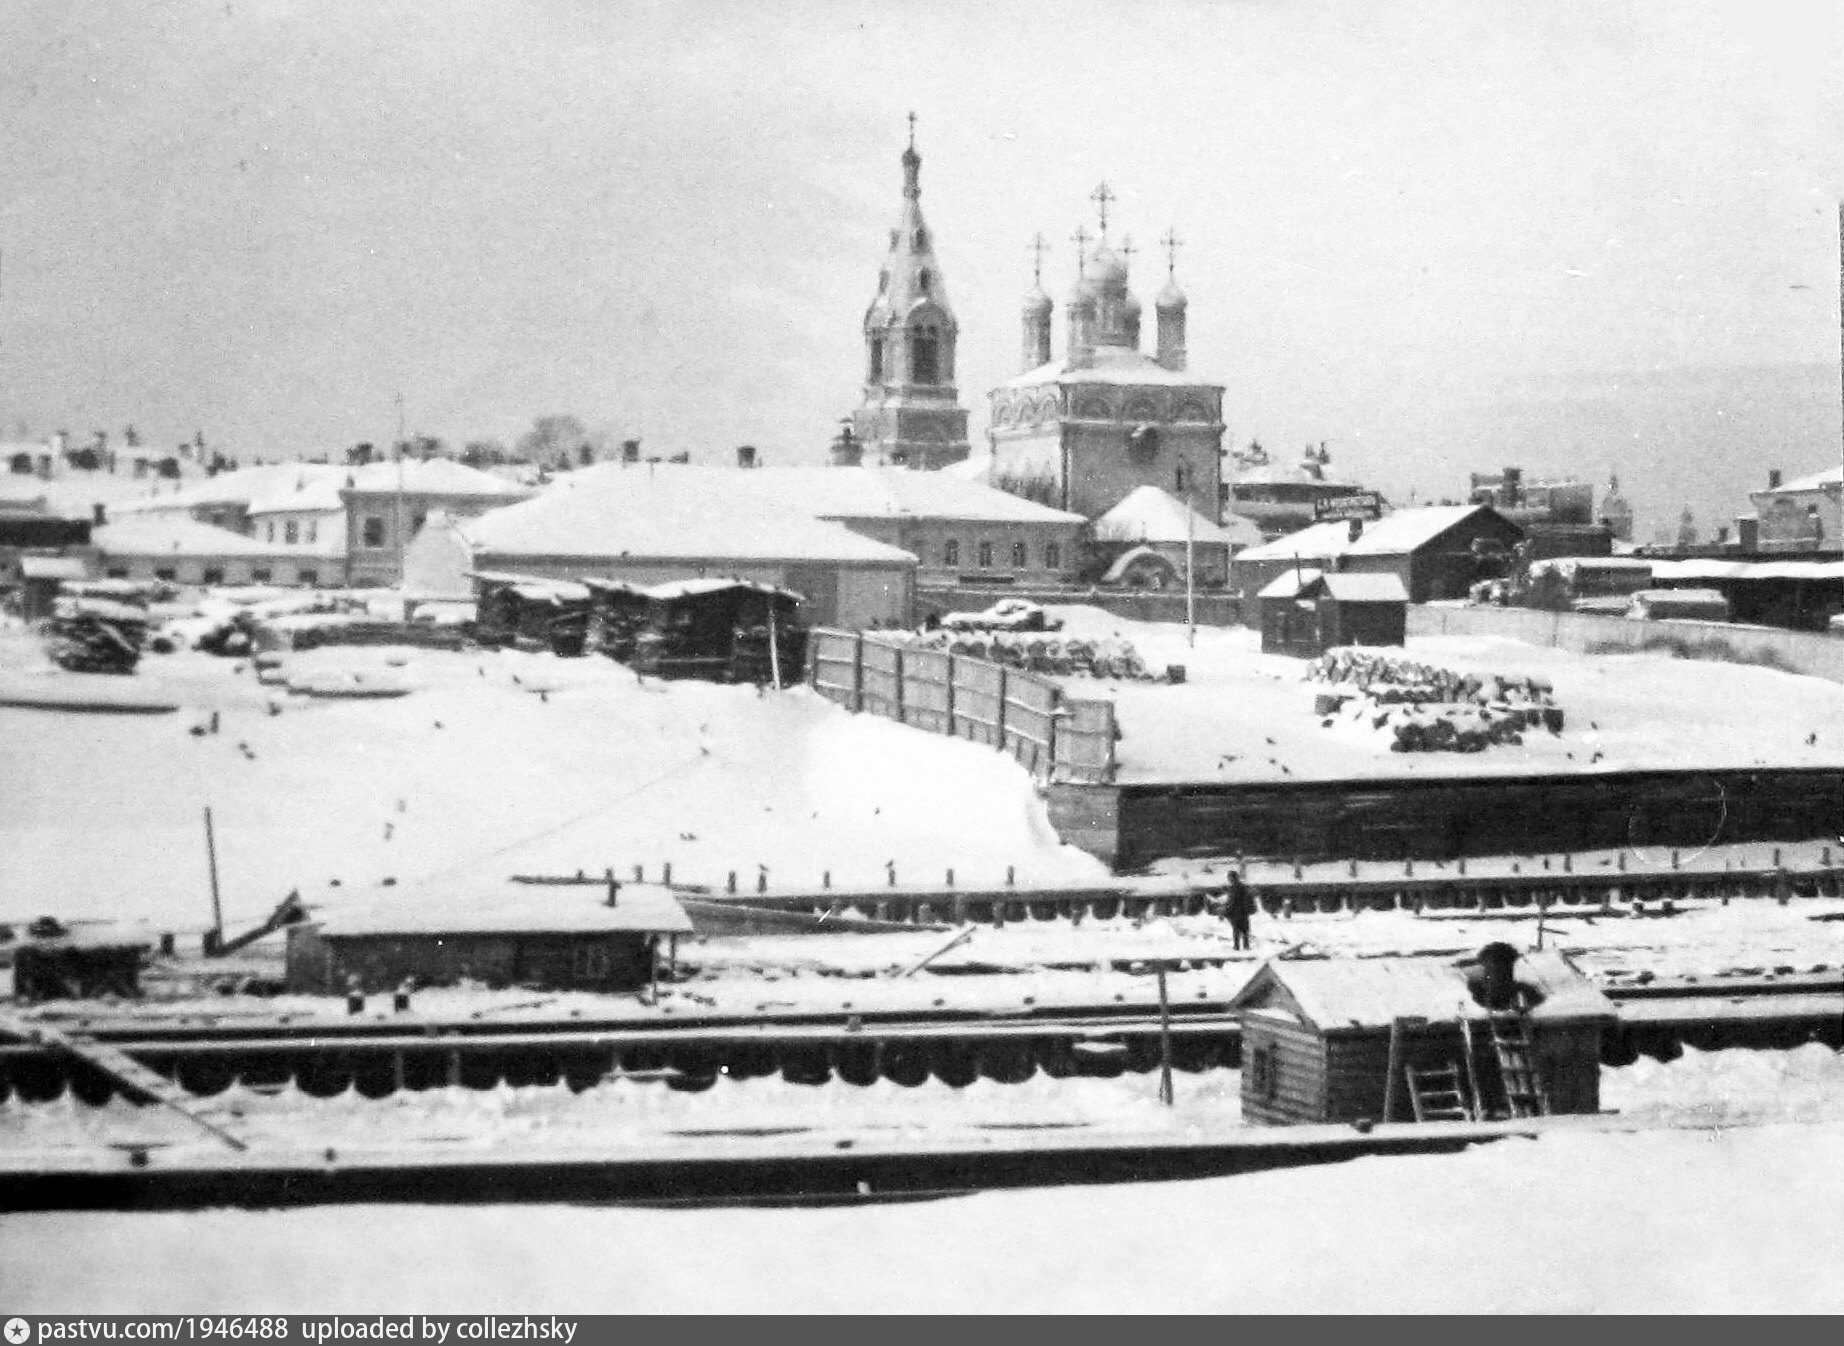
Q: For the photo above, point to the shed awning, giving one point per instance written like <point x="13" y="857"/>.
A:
<point x="502" y="907"/>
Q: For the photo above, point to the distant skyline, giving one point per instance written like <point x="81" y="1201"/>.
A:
<point x="1442" y="236"/>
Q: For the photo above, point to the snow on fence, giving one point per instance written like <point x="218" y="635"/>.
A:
<point x="1052" y="734"/>
<point x="1814" y="655"/>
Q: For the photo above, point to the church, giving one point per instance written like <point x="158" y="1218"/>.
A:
<point x="1084" y="432"/>
<point x="911" y="414"/>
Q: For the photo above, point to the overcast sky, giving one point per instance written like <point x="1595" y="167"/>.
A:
<point x="1440" y="236"/>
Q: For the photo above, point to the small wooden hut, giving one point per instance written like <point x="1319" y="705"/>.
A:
<point x="1406" y="1039"/>
<point x="61" y="964"/>
<point x="721" y="630"/>
<point x="617" y="615"/>
<point x="549" y="937"/>
<point x="1307" y="612"/>
<point x="531" y="613"/>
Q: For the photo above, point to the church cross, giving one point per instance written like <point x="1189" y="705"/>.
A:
<point x="1172" y="244"/>
<point x="1038" y="248"/>
<point x="1101" y="196"/>
<point x="1080" y="239"/>
<point x="1127" y="249"/>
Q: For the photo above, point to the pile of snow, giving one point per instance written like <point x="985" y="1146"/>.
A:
<point x="1107" y="657"/>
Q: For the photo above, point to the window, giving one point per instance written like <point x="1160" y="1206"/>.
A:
<point x="1019" y="558"/>
<point x="291" y="532"/>
<point x="269" y="531"/>
<point x="1178" y="479"/>
<point x="167" y="573"/>
<point x="1053" y="556"/>
<point x="877" y="359"/>
<point x="372" y="531"/>
<point x="923" y="279"/>
<point x="985" y="556"/>
<point x="924" y="356"/>
<point x="416" y="522"/>
<point x="212" y="575"/>
<point x="306" y="575"/>
<point x="116" y="572"/>
<point x="921" y="244"/>
<point x="259" y="574"/>
<point x="950" y="552"/>
<point x="313" y="530"/>
<point x="1264" y="1075"/>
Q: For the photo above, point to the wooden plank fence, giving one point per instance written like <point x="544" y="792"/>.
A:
<point x="1053" y="735"/>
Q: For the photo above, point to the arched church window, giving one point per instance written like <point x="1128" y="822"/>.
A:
<point x="883" y="280"/>
<point x="924" y="356"/>
<point x="922" y="280"/>
<point x="877" y="359"/>
<point x="921" y="239"/>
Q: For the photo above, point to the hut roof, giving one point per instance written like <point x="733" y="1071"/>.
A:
<point x="499" y="906"/>
<point x="1394" y="534"/>
<point x="713" y="584"/>
<point x="1346" y="587"/>
<point x="1346" y="993"/>
<point x="52" y="567"/>
<point x="159" y="535"/>
<point x="1149" y="514"/>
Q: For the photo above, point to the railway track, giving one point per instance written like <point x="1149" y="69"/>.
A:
<point x="380" y="1056"/>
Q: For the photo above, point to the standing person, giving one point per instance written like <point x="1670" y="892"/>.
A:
<point x="1238" y="907"/>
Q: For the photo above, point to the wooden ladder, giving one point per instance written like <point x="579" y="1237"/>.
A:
<point x="1517" y="1065"/>
<point x="1436" y="1094"/>
<point x="139" y="1081"/>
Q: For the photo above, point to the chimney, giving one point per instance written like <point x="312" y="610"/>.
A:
<point x="847" y="449"/>
<point x="1354" y="530"/>
<point x="1497" y="986"/>
<point x="630" y="450"/>
<point x="1511" y="488"/>
<point x="746" y="455"/>
<point x="1773" y="478"/>
<point x="100" y="514"/>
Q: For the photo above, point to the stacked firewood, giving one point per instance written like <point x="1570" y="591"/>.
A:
<point x="1424" y="708"/>
<point x="1108" y="657"/>
<point x="93" y="635"/>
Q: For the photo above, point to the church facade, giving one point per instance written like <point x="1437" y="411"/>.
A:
<point x="910" y="415"/>
<point x="1084" y="432"/>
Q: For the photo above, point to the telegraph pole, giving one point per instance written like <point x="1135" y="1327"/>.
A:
<point x="402" y="447"/>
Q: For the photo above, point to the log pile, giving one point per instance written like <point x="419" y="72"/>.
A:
<point x="1423" y="708"/>
<point x="1109" y="657"/>
<point x="94" y="635"/>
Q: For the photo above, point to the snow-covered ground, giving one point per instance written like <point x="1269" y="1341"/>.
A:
<point x="1700" y="1215"/>
<point x="1241" y="715"/>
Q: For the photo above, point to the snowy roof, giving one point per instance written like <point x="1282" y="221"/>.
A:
<point x="495" y="906"/>
<point x="1338" y="993"/>
<point x="684" y="514"/>
<point x="310" y="486"/>
<point x="1111" y="364"/>
<point x="52" y="567"/>
<point x="1296" y="474"/>
<point x="1747" y="570"/>
<point x="1343" y="586"/>
<point x="1830" y="476"/>
<point x="535" y="586"/>
<point x="73" y="494"/>
<point x="885" y="492"/>
<point x="713" y="584"/>
<point x="1149" y="514"/>
<point x="237" y="487"/>
<point x="433" y="476"/>
<point x="180" y="536"/>
<point x="1400" y="532"/>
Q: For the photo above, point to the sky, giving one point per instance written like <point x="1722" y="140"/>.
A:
<point x="1441" y="237"/>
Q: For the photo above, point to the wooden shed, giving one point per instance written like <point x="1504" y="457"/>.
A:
<point x="1322" y="1039"/>
<point x="531" y="613"/>
<point x="617" y="616"/>
<point x="1306" y="612"/>
<point x="721" y="630"/>
<point x="498" y="933"/>
<point x="60" y="964"/>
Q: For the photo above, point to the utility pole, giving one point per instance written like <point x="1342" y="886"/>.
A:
<point x="402" y="447"/>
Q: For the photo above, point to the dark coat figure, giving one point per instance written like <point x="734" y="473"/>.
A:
<point x="1238" y="907"/>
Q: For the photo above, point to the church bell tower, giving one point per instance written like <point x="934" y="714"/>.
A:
<point x="910" y="415"/>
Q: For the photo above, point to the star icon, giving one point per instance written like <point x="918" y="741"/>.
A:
<point x="18" y="1330"/>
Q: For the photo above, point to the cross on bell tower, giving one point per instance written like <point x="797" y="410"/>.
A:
<point x="1080" y="239"/>
<point x="1172" y="243"/>
<point x="1037" y="248"/>
<point x="1101" y="196"/>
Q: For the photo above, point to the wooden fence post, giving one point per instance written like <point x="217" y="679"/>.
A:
<point x="1056" y="703"/>
<point x="858" y="673"/>
<point x="953" y="729"/>
<point x="998" y="719"/>
<point x="902" y="715"/>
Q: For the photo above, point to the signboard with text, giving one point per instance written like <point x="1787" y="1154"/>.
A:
<point x="1360" y="505"/>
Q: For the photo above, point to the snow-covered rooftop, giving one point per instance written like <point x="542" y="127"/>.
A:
<point x="1111" y="364"/>
<point x="1829" y="476"/>
<point x="180" y="536"/>
<point x="1402" y="531"/>
<point x="1371" y="993"/>
<point x="1149" y="514"/>
<point x="1354" y="587"/>
<point x="495" y="905"/>
<point x="433" y="476"/>
<point x="883" y="493"/>
<point x="683" y="513"/>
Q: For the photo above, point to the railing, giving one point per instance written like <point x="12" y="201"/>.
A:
<point x="1051" y="734"/>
